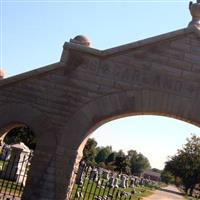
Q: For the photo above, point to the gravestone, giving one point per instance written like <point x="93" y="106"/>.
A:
<point x="116" y="182"/>
<point x="132" y="185"/>
<point x="111" y="182"/>
<point x="123" y="181"/>
<point x="105" y="175"/>
<point x="93" y="175"/>
<point x="79" y="177"/>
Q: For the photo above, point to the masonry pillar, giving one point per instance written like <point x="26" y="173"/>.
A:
<point x="67" y="165"/>
<point x="41" y="178"/>
<point x="40" y="183"/>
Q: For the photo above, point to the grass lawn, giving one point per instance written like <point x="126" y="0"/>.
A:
<point x="191" y="198"/>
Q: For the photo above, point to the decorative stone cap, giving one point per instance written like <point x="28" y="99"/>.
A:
<point x="2" y="74"/>
<point x="21" y="146"/>
<point x="195" y="12"/>
<point x="82" y="40"/>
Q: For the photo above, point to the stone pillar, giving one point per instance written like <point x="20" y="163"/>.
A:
<point x="67" y="163"/>
<point x="40" y="183"/>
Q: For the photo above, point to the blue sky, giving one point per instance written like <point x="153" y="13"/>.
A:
<point x="33" y="33"/>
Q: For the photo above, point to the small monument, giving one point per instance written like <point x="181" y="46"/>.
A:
<point x="93" y="175"/>
<point x="111" y="182"/>
<point x="123" y="181"/>
<point x="116" y="182"/>
<point x="16" y="168"/>
<point x="105" y="174"/>
<point x="79" y="177"/>
<point x="132" y="185"/>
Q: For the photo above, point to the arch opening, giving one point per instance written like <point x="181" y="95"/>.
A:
<point x="117" y="105"/>
<point x="18" y="142"/>
<point x="182" y="130"/>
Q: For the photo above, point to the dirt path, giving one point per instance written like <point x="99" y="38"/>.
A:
<point x="167" y="193"/>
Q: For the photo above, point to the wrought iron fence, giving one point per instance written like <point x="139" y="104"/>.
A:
<point x="92" y="184"/>
<point x="13" y="175"/>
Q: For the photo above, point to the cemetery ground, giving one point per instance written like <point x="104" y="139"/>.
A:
<point x="100" y="184"/>
<point x="90" y="191"/>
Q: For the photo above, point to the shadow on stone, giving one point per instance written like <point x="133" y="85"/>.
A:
<point x="170" y="191"/>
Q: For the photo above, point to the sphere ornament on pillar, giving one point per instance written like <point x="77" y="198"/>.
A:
<point x="195" y="12"/>
<point x="2" y="74"/>
<point x="81" y="40"/>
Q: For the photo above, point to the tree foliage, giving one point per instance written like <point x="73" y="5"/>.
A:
<point x="132" y="163"/>
<point x="103" y="153"/>
<point x="121" y="163"/>
<point x="90" y="151"/>
<point x="167" y="177"/>
<point x="139" y="164"/>
<point x="21" y="134"/>
<point x="111" y="158"/>
<point x="186" y="164"/>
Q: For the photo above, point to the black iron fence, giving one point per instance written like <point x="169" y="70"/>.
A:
<point x="13" y="175"/>
<point x="100" y="184"/>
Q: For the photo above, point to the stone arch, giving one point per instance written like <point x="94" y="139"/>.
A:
<point x="117" y="105"/>
<point x="16" y="115"/>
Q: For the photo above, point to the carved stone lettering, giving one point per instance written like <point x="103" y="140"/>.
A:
<point x="136" y="75"/>
<point x="167" y="85"/>
<point x="178" y="86"/>
<point x="116" y="74"/>
<point x="157" y="81"/>
<point x="105" y="69"/>
<point x="125" y="75"/>
<point x="130" y="76"/>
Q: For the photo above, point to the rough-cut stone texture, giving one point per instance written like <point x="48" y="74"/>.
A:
<point x="64" y="102"/>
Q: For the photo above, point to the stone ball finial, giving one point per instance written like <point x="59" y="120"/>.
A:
<point x="195" y="12"/>
<point x="2" y="74"/>
<point x="82" y="40"/>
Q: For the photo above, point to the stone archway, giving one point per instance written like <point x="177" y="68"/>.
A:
<point x="65" y="101"/>
<point x="119" y="105"/>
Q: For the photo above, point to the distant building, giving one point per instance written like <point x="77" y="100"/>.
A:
<point x="151" y="175"/>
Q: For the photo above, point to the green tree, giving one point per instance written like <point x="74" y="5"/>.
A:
<point x="103" y="153"/>
<point x="111" y="157"/>
<point x="121" y="163"/>
<point x="89" y="152"/>
<point x="167" y="177"/>
<point x="21" y="134"/>
<point x="139" y="164"/>
<point x="186" y="164"/>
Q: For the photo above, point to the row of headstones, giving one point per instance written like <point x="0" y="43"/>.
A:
<point x="119" y="194"/>
<point x="113" y="180"/>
